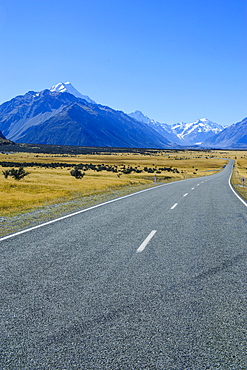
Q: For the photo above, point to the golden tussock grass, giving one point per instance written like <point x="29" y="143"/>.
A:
<point x="240" y="173"/>
<point x="45" y="186"/>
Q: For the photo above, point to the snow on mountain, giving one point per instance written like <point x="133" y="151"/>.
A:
<point x="24" y="112"/>
<point x="234" y="136"/>
<point x="185" y="134"/>
<point x="195" y="132"/>
<point x="69" y="88"/>
<point x="49" y="117"/>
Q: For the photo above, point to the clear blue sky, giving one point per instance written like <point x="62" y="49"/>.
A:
<point x="175" y="60"/>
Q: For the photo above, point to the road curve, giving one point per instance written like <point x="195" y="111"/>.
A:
<point x="156" y="280"/>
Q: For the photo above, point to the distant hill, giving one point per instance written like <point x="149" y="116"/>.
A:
<point x="3" y="140"/>
<point x="232" y="137"/>
<point x="163" y="129"/>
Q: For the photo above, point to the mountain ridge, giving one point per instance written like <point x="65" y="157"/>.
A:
<point x="3" y="140"/>
<point x="69" y="88"/>
<point x="182" y="133"/>
<point x="51" y="117"/>
<point x="234" y="136"/>
<point x="62" y="114"/>
<point x="194" y="133"/>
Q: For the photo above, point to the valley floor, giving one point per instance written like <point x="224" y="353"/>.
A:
<point x="49" y="191"/>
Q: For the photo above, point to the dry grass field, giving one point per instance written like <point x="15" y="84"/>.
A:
<point x="104" y="173"/>
<point x="240" y="173"/>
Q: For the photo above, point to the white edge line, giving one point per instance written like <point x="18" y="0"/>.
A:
<point x="99" y="205"/>
<point x="146" y="241"/>
<point x="81" y="211"/>
<point x="229" y="181"/>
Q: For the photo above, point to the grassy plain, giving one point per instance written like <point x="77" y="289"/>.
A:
<point x="49" y="186"/>
<point x="240" y="173"/>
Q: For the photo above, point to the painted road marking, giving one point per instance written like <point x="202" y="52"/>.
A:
<point x="174" y="205"/>
<point x="93" y="207"/>
<point x="192" y="188"/>
<point x="198" y="184"/>
<point x="146" y="241"/>
<point x="185" y="195"/>
<point x="82" y="211"/>
<point x="242" y="200"/>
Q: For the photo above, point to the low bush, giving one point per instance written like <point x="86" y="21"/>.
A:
<point x="77" y="173"/>
<point x="17" y="174"/>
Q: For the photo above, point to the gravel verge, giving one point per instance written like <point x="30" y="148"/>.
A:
<point x="12" y="224"/>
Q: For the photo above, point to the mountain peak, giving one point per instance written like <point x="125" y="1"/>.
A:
<point x="204" y="120"/>
<point x="195" y="132"/>
<point x="69" y="88"/>
<point x="139" y="116"/>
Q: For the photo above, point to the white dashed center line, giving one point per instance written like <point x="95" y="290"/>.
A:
<point x="174" y="205"/>
<point x="185" y="195"/>
<point x="192" y="188"/>
<point x="146" y="241"/>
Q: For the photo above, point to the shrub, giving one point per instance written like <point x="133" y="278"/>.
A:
<point x="6" y="173"/>
<point x="18" y="174"/>
<point x="77" y="173"/>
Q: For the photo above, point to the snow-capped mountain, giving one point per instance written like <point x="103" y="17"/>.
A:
<point x="139" y="116"/>
<point x="60" y="118"/>
<point x="195" y="133"/>
<point x="182" y="133"/>
<point x="61" y="115"/>
<point x="67" y="87"/>
<point x="234" y="136"/>
<point x="162" y="128"/>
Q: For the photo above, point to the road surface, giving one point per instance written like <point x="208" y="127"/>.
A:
<point x="156" y="280"/>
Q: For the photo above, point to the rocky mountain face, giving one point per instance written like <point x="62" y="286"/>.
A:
<point x="60" y="118"/>
<point x="63" y="116"/>
<point x="183" y="134"/>
<point x="2" y="136"/>
<point x="234" y="137"/>
<point x="196" y="132"/>
<point x="3" y="139"/>
<point x="163" y="129"/>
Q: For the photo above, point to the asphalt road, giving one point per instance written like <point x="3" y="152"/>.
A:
<point x="156" y="280"/>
